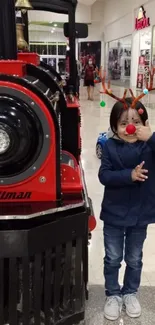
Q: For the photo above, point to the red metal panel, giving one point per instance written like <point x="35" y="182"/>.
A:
<point x="27" y="57"/>
<point x="12" y="67"/>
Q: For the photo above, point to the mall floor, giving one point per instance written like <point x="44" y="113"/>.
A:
<point x="94" y="120"/>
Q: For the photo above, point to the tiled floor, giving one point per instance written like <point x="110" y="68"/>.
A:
<point x="95" y="120"/>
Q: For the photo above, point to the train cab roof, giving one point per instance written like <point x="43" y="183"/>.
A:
<point x="59" y="6"/>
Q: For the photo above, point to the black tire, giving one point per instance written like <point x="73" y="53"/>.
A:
<point x="99" y="151"/>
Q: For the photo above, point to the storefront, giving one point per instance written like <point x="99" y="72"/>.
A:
<point x="141" y="49"/>
<point x="118" y="61"/>
<point x="130" y="47"/>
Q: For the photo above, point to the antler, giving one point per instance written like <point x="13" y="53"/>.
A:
<point x="108" y="91"/>
<point x="131" y="92"/>
<point x="147" y="89"/>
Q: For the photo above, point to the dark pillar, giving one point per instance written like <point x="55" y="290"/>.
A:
<point x="8" y="43"/>
<point x="72" y="36"/>
<point x="26" y="24"/>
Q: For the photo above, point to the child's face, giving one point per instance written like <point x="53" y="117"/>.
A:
<point x="129" y="116"/>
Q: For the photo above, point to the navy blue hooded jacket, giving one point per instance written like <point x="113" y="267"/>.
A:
<point x="127" y="203"/>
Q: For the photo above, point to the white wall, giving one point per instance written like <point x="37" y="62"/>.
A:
<point x="94" y="33"/>
<point x="120" y="28"/>
<point x="83" y="15"/>
<point x="97" y="11"/>
<point x="112" y="10"/>
<point x="46" y="36"/>
<point x="116" y="17"/>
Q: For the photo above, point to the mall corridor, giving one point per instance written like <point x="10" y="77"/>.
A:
<point x="60" y="58"/>
<point x="94" y="120"/>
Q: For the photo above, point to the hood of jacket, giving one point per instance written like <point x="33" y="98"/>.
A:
<point x="111" y="134"/>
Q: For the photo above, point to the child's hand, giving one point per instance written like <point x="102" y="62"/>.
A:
<point x="144" y="133"/>
<point x="138" y="174"/>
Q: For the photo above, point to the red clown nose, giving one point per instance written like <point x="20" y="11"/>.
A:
<point x="130" y="129"/>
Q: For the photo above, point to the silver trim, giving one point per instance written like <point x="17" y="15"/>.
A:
<point x="84" y="185"/>
<point x="42" y="213"/>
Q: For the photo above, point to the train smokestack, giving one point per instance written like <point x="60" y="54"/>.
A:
<point x="8" y="42"/>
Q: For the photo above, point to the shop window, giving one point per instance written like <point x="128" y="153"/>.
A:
<point x="62" y="48"/>
<point x="40" y="48"/>
<point x="52" y="48"/>
<point x="119" y="60"/>
<point x="144" y="61"/>
<point x="153" y="47"/>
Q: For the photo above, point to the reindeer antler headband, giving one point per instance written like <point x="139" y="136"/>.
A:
<point x="108" y="91"/>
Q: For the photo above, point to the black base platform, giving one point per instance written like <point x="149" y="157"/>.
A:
<point x="44" y="269"/>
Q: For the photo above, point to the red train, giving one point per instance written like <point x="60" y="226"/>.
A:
<point x="40" y="144"/>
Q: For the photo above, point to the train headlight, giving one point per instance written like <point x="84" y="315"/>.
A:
<point x="4" y="141"/>
<point x="21" y="136"/>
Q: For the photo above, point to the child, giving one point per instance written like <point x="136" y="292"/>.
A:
<point x="128" y="173"/>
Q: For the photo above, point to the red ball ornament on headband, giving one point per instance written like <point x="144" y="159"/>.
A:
<point x="130" y="129"/>
<point x="140" y="111"/>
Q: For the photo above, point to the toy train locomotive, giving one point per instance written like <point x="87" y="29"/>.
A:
<point x="41" y="177"/>
<point x="38" y="161"/>
<point x="46" y="215"/>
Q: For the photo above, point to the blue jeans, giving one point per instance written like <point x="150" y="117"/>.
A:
<point x="123" y="243"/>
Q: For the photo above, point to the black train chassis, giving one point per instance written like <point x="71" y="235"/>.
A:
<point x="44" y="269"/>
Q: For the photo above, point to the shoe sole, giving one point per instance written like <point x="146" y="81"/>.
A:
<point x="113" y="318"/>
<point x="129" y="314"/>
<point x="133" y="315"/>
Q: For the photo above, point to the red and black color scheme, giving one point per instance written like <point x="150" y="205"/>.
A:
<point x="39" y="163"/>
<point x="46" y="215"/>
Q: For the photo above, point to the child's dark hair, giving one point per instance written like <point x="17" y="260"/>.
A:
<point x="118" y="109"/>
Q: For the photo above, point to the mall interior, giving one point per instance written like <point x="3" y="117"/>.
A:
<point x="121" y="40"/>
<point x="125" y="50"/>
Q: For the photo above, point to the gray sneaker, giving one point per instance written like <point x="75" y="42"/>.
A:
<point x="132" y="305"/>
<point x="113" y="307"/>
